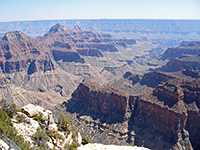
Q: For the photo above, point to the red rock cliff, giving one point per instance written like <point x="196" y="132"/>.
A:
<point x="168" y="116"/>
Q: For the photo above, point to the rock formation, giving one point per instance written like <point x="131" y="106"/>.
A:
<point x="56" y="62"/>
<point x="52" y="63"/>
<point x="4" y="145"/>
<point x="27" y="124"/>
<point x="185" y="48"/>
<point x="19" y="52"/>
<point x="165" y="111"/>
<point x="184" y="56"/>
<point x="37" y="126"/>
<point x="109" y="147"/>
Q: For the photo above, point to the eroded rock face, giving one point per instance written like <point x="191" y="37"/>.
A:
<point x="193" y="128"/>
<point x="152" y="79"/>
<point x="167" y="112"/>
<point x="191" y="73"/>
<point x="67" y="56"/>
<point x="57" y="62"/>
<point x="191" y="48"/>
<point x="175" y="65"/>
<point x="102" y="101"/>
<point x="134" y="78"/>
<point x="19" y="52"/>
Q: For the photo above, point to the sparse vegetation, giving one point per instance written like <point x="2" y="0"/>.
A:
<point x="54" y="134"/>
<point x="86" y="140"/>
<point x="40" y="137"/>
<point x="64" y="123"/>
<point x="10" y="132"/>
<point x="73" y="146"/>
<point x="20" y="118"/>
<point x="10" y="109"/>
<point x="39" y="118"/>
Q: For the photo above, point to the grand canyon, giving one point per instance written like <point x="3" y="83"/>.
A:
<point x="121" y="82"/>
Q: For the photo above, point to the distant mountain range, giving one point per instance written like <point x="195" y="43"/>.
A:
<point x="120" y="27"/>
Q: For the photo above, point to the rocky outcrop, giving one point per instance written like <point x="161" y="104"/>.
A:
<point x="116" y="105"/>
<point x="191" y="73"/>
<point x="109" y="147"/>
<point x="34" y="119"/>
<point x="61" y="45"/>
<point x="134" y="78"/>
<point x="193" y="128"/>
<point x="167" y="112"/>
<point x="102" y="101"/>
<point x="67" y="56"/>
<point x="30" y="110"/>
<point x="27" y="128"/>
<point x="175" y="65"/>
<point x="4" y="145"/>
<point x="16" y="46"/>
<point x="20" y="52"/>
<point x="168" y="93"/>
<point x="191" y="48"/>
<point x="152" y="79"/>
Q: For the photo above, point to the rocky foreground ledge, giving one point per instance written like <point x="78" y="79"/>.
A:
<point x="39" y="129"/>
<point x="96" y="146"/>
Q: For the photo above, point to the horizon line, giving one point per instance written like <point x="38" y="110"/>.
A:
<point x="35" y="20"/>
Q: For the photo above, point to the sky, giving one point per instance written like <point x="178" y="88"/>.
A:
<point x="20" y="10"/>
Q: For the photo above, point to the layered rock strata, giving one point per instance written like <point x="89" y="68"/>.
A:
<point x="167" y="111"/>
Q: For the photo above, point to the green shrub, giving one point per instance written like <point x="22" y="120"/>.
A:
<point x="10" y="109"/>
<point x="39" y="118"/>
<point x="10" y="132"/>
<point x="54" y="134"/>
<point x="73" y="146"/>
<point x="86" y="140"/>
<point x="40" y="137"/>
<point x="20" y="118"/>
<point x="64" y="123"/>
<point x="4" y="118"/>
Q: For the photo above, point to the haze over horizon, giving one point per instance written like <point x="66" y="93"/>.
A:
<point x="22" y="10"/>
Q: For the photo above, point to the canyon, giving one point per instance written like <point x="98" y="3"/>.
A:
<point x="156" y="107"/>
<point x="47" y="69"/>
<point x="161" y="115"/>
<point x="116" y="90"/>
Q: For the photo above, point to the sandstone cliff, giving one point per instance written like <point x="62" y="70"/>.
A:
<point x="191" y="48"/>
<point x="163" y="114"/>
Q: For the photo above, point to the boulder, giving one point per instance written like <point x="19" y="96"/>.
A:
<point x="69" y="139"/>
<point x="26" y="128"/>
<point x="53" y="127"/>
<point x="30" y="110"/>
<point x="79" y="138"/>
<point x="4" y="145"/>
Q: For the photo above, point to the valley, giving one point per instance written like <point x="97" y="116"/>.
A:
<point x="121" y="82"/>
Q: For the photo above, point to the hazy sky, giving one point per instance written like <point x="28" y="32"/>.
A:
<point x="14" y="10"/>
